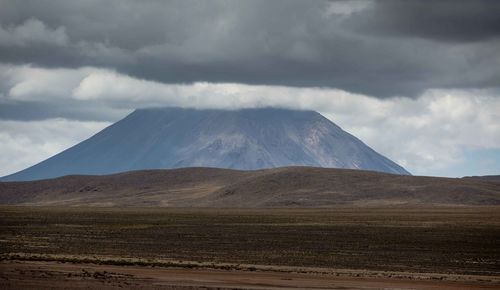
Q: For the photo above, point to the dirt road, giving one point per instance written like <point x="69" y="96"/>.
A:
<point x="52" y="275"/>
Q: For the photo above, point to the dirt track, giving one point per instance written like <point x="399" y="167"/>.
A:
<point x="51" y="275"/>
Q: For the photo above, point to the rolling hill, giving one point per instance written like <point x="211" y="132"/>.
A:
<point x="279" y="187"/>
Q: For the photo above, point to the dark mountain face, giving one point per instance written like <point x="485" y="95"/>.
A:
<point x="242" y="139"/>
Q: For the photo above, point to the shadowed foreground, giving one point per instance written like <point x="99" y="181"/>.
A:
<point x="442" y="244"/>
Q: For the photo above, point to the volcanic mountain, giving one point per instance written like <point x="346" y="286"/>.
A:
<point x="245" y="139"/>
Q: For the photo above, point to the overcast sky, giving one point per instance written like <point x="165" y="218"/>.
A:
<point x="419" y="81"/>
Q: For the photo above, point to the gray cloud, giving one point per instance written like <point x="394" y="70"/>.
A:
<point x="32" y="32"/>
<point x="68" y="109"/>
<point x="69" y="68"/>
<point x="380" y="48"/>
<point x="43" y="111"/>
<point x="442" y="20"/>
<point x="26" y="143"/>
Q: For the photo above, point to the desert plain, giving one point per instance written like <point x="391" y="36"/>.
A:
<point x="247" y="248"/>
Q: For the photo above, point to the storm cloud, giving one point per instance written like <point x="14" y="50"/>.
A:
<point x="419" y="81"/>
<point x="378" y="48"/>
<point x="51" y="109"/>
<point x="444" y="20"/>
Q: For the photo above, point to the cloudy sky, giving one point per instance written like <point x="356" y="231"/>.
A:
<point x="418" y="81"/>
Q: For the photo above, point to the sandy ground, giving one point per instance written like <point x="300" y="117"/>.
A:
<point x="53" y="275"/>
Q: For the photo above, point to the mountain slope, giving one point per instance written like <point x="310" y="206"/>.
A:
<point x="242" y="139"/>
<point x="278" y="187"/>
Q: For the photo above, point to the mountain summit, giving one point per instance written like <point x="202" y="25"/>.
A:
<point x="240" y="139"/>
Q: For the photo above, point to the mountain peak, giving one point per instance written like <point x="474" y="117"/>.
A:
<point x="248" y="139"/>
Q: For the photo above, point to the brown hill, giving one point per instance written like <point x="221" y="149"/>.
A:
<point x="280" y="187"/>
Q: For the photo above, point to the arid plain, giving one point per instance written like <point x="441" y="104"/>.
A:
<point x="213" y="248"/>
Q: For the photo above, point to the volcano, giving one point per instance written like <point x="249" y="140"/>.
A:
<point x="246" y="139"/>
